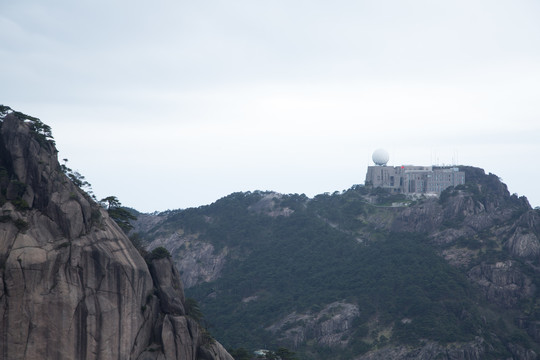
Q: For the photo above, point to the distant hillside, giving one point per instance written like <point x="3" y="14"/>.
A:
<point x="364" y="274"/>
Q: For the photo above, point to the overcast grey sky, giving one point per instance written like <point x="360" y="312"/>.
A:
<point x="172" y="104"/>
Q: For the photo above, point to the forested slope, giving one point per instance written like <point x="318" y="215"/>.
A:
<point x="362" y="273"/>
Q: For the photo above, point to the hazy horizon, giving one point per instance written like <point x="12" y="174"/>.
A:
<point x="177" y="104"/>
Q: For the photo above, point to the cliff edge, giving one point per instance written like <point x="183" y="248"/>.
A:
<point x="72" y="286"/>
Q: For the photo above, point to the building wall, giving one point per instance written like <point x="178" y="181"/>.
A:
<point x="410" y="179"/>
<point x="385" y="177"/>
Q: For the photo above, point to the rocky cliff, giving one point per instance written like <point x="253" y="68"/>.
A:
<point x="72" y="286"/>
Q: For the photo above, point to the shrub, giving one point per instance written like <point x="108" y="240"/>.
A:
<point x="206" y="337"/>
<point x="21" y="225"/>
<point x="20" y="204"/>
<point x="193" y="310"/>
<point x="138" y="243"/>
<point x="159" y="253"/>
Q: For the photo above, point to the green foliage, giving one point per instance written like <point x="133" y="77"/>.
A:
<point x="4" y="109"/>
<point x="446" y="194"/>
<point x="120" y="215"/>
<point x="325" y="250"/>
<point x="16" y="188"/>
<point x="21" y="225"/>
<point x="159" y="253"/>
<point x="20" y="204"/>
<point x="193" y="310"/>
<point x="343" y="209"/>
<point x="285" y="354"/>
<point x="302" y="261"/>
<point x="138" y="243"/>
<point x="19" y="189"/>
<point x="95" y="216"/>
<point x="206" y="337"/>
<point x="78" y="179"/>
<point x="239" y="354"/>
<point x="41" y="131"/>
<point x="454" y="222"/>
<point x="111" y="202"/>
<point x="470" y="243"/>
<point x="486" y="188"/>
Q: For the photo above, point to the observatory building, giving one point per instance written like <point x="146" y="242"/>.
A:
<point x="409" y="179"/>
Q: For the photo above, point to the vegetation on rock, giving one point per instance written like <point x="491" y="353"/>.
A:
<point x="119" y="214"/>
<point x="159" y="253"/>
<point x="72" y="286"/>
<point x="291" y="256"/>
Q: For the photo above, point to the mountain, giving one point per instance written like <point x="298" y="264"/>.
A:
<point x="72" y="286"/>
<point x="362" y="273"/>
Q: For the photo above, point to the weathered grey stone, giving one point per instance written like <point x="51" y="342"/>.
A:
<point x="169" y="286"/>
<point x="177" y="338"/>
<point x="72" y="286"/>
<point x="521" y="353"/>
<point x="524" y="244"/>
<point x="200" y="262"/>
<point x="474" y="350"/>
<point x="329" y="327"/>
<point x="502" y="283"/>
<point x="213" y="351"/>
<point x="531" y="326"/>
<point x="78" y="299"/>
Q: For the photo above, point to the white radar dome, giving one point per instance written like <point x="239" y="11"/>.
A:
<point x="380" y="157"/>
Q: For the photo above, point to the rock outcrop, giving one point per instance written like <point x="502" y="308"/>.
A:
<point x="201" y="262"/>
<point x="72" y="286"/>
<point x="332" y="326"/>
<point x="503" y="283"/>
<point x="474" y="350"/>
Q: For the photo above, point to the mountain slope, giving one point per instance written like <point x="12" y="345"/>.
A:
<point x="72" y="286"/>
<point x="363" y="273"/>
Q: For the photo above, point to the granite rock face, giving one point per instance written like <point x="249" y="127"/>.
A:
<point x="332" y="326"/>
<point x="72" y="286"/>
<point x="169" y="286"/>
<point x="503" y="283"/>
<point x="474" y="350"/>
<point x="201" y="262"/>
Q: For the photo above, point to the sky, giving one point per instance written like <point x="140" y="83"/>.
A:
<point x="175" y="104"/>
